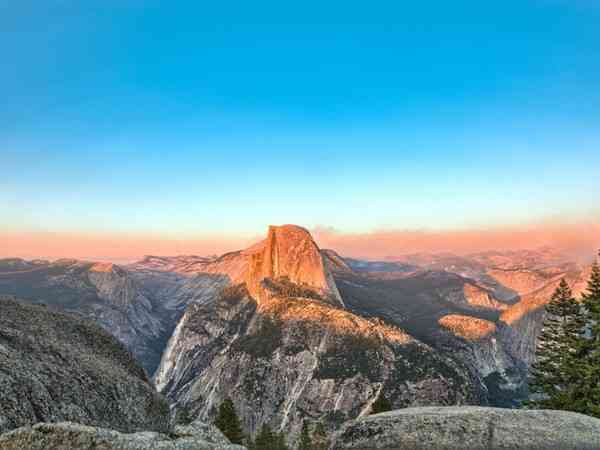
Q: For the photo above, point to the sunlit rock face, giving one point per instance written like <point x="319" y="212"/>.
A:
<point x="523" y="281"/>
<point x="467" y="327"/>
<point x="290" y="252"/>
<point x="479" y="297"/>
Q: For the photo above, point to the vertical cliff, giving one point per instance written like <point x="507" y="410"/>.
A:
<point x="290" y="252"/>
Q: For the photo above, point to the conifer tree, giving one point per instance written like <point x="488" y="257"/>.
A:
<point x="586" y="397"/>
<point x="554" y="375"/>
<point x="280" y="442"/>
<point x="382" y="404"/>
<point x="305" y="440"/>
<point x="228" y="422"/>
<point x="591" y="301"/>
<point x="183" y="416"/>
<point x="266" y="439"/>
<point x="319" y="437"/>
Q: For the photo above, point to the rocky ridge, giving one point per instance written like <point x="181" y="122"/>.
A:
<point x="477" y="315"/>
<point x="72" y="436"/>
<point x="471" y="428"/>
<point x="104" y="292"/>
<point x="58" y="367"/>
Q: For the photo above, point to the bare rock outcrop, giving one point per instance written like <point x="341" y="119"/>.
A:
<point x="479" y="297"/>
<point x="58" y="367"/>
<point x="72" y="436"/>
<point x="293" y="358"/>
<point x="103" y="292"/>
<point x="471" y="428"/>
<point x="467" y="327"/>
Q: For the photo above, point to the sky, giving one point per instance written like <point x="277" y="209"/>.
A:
<point x="136" y="127"/>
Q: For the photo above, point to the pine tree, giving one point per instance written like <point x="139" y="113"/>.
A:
<point x="183" y="416"/>
<point x="228" y="422"/>
<point x="305" y="440"/>
<point x="554" y="375"/>
<point x="591" y="301"/>
<point x="265" y="439"/>
<point x="280" y="442"/>
<point x="586" y="397"/>
<point x="320" y="441"/>
<point x="382" y="404"/>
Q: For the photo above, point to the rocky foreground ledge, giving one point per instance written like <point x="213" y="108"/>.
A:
<point x="72" y="436"/>
<point x="428" y="428"/>
<point x="471" y="428"/>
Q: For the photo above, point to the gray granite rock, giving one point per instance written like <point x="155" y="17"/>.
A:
<point x="72" y="436"/>
<point x="471" y="428"/>
<point x="56" y="367"/>
<point x="203" y="430"/>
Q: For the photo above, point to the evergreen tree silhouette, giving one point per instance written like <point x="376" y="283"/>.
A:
<point x="554" y="375"/>
<point x="382" y="404"/>
<point x="228" y="422"/>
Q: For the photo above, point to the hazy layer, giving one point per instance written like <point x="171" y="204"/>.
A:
<point x="577" y="240"/>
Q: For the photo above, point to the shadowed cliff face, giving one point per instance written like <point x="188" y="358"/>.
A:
<point x="289" y="251"/>
<point x="104" y="292"/>
<point x="57" y="367"/>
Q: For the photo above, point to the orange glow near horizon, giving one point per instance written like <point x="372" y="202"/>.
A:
<point x="576" y="240"/>
<point x="109" y="247"/>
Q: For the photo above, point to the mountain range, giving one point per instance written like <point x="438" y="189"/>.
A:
<point x="290" y="331"/>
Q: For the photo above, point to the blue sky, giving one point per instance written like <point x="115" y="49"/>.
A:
<point x="184" y="118"/>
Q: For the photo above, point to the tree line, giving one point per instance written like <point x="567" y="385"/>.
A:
<point x="566" y="374"/>
<point x="228" y="422"/>
<point x="311" y="437"/>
